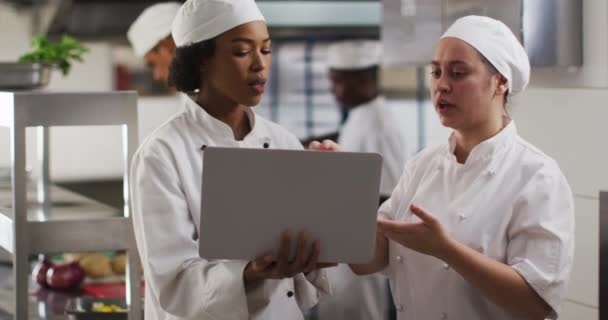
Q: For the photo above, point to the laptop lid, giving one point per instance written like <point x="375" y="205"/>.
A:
<point x="250" y="196"/>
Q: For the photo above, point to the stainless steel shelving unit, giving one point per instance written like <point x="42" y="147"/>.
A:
<point x="603" y="289"/>
<point x="47" y="219"/>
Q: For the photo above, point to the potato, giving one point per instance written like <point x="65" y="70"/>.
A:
<point x="119" y="264"/>
<point x="70" y="257"/>
<point x="96" y="265"/>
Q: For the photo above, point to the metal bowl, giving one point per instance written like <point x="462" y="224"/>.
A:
<point x="24" y="76"/>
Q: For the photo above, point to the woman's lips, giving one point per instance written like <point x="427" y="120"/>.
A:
<point x="444" y="107"/>
<point x="258" y="85"/>
<point x="258" y="88"/>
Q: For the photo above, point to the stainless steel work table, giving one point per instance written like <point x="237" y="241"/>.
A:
<point x="46" y="219"/>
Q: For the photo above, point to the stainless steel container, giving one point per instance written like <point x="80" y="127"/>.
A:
<point x="24" y="76"/>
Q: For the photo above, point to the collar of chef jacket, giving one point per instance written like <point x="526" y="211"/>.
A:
<point x="219" y="130"/>
<point x="487" y="149"/>
<point x="376" y="102"/>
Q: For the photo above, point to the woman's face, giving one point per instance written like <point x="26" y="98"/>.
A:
<point x="238" y="69"/>
<point x="464" y="91"/>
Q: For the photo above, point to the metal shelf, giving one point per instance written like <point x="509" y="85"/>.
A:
<point x="84" y="225"/>
<point x="45" y="218"/>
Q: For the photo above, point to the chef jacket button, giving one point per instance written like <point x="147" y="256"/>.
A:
<point x="400" y="308"/>
<point x="446" y="266"/>
<point x="399" y="259"/>
<point x="289" y="294"/>
<point x="266" y="145"/>
<point x="462" y="216"/>
<point x="444" y="315"/>
<point x="203" y="147"/>
<point x="490" y="172"/>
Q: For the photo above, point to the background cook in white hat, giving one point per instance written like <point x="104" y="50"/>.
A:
<point x="369" y="126"/>
<point x="222" y="59"/>
<point x="150" y="37"/>
<point x="483" y="226"/>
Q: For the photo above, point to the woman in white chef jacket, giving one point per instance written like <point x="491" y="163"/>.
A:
<point x="222" y="55"/>
<point x="482" y="227"/>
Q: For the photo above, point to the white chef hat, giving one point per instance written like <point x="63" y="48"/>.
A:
<point x="200" y="20"/>
<point x="353" y="55"/>
<point x="152" y="25"/>
<point x="495" y="41"/>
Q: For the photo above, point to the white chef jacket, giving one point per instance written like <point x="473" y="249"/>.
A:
<point x="372" y="127"/>
<point x="166" y="176"/>
<point x="508" y="201"/>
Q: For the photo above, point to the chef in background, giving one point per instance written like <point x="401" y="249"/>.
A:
<point x="150" y="37"/>
<point x="370" y="125"/>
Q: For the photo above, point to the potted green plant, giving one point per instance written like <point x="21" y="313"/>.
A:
<point x="34" y="68"/>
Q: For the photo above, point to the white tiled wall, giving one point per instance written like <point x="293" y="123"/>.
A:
<point x="576" y="311"/>
<point x="583" y="284"/>
<point x="569" y="125"/>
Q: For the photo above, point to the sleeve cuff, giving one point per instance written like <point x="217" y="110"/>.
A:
<point x="550" y="292"/>
<point x="236" y="306"/>
<point x="311" y="288"/>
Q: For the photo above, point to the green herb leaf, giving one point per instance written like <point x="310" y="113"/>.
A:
<point x="61" y="53"/>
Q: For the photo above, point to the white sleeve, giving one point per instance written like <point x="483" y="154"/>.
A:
<point x="184" y="284"/>
<point x="351" y="138"/>
<point x="541" y="236"/>
<point x="388" y="209"/>
<point x="311" y="288"/>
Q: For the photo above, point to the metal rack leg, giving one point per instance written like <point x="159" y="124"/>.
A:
<point x="134" y="285"/>
<point x="21" y="266"/>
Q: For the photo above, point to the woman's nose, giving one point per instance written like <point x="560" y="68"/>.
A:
<point x="441" y="84"/>
<point x="259" y="62"/>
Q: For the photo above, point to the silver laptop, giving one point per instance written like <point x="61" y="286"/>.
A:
<point x="250" y="196"/>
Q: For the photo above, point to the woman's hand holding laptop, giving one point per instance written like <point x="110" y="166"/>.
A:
<point x="269" y="267"/>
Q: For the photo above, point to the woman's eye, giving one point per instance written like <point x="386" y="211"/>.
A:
<point x="241" y="53"/>
<point x="458" y="73"/>
<point x="266" y="51"/>
<point x="435" y="73"/>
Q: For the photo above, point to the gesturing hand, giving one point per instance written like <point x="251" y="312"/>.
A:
<point x="428" y="236"/>
<point x="326" y="145"/>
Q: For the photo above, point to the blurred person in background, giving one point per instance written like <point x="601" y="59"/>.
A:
<point x="369" y="126"/>
<point x="150" y="37"/>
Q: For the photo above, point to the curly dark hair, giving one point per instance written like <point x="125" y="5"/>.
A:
<point x="185" y="68"/>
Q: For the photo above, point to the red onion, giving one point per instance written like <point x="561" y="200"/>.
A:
<point x="67" y="276"/>
<point x="40" y="270"/>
